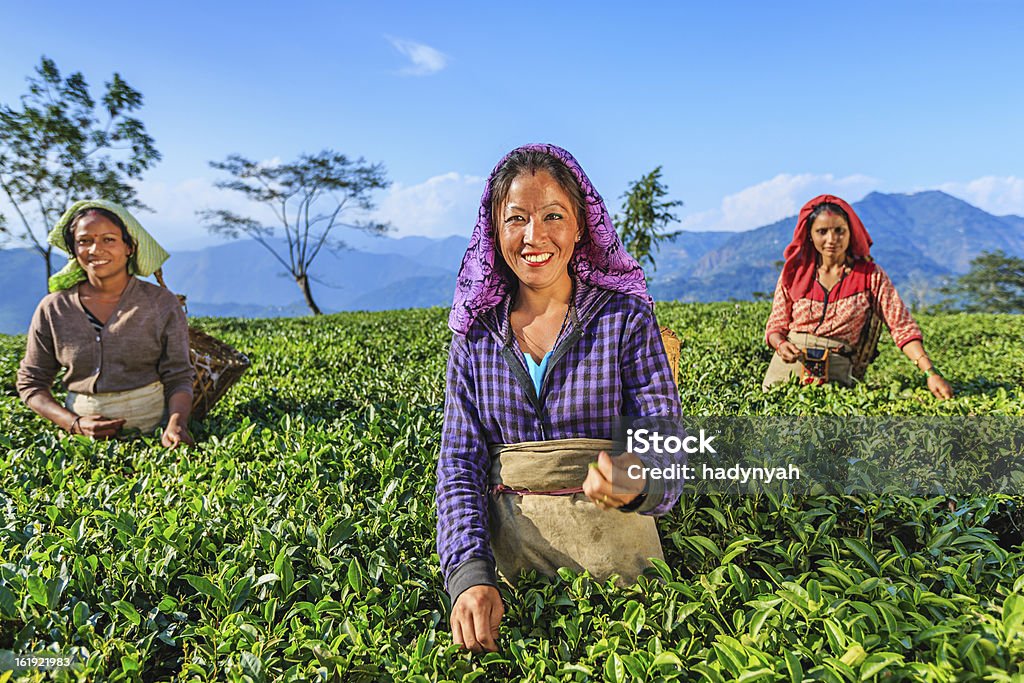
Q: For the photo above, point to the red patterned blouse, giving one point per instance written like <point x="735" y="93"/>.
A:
<point x="842" y="312"/>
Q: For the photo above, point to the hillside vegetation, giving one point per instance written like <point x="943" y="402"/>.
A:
<point x="297" y="541"/>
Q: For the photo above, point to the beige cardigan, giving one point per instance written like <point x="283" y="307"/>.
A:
<point x="144" y="340"/>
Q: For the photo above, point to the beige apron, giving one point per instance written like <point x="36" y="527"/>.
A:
<point x="143" y="408"/>
<point x="546" y="532"/>
<point x="839" y="368"/>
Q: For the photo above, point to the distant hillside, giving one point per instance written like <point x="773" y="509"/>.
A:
<point x="920" y="239"/>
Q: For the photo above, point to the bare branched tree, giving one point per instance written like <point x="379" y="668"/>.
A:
<point x="307" y="198"/>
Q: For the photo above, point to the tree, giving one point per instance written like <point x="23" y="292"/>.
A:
<point x="59" y="147"/>
<point x="645" y="216"/>
<point x="918" y="287"/>
<point x="994" y="284"/>
<point x="307" y="198"/>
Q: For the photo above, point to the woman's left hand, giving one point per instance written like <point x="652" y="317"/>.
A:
<point x="175" y="434"/>
<point x="609" y="484"/>
<point x="939" y="387"/>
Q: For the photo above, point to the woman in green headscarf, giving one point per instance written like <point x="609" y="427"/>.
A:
<point x="122" y="342"/>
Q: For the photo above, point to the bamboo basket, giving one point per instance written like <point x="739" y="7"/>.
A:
<point x="672" y="350"/>
<point x="218" y="365"/>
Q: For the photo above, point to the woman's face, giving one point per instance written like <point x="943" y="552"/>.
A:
<point x="831" y="236"/>
<point x="99" y="247"/>
<point x="538" y="230"/>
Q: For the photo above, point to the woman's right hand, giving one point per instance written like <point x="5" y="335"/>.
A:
<point x="788" y="351"/>
<point x="476" y="614"/>
<point x="98" y="427"/>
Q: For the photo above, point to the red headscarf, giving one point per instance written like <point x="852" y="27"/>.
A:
<point x="801" y="257"/>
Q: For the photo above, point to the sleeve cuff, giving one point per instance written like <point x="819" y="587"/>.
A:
<point x="178" y="388"/>
<point x="473" y="572"/>
<point x="914" y="338"/>
<point x="655" y="489"/>
<point x="28" y="393"/>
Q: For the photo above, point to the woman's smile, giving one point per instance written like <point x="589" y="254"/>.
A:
<point x="537" y="260"/>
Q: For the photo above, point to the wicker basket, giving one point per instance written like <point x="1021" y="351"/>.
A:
<point x="217" y="365"/>
<point x="866" y="349"/>
<point x="672" y="349"/>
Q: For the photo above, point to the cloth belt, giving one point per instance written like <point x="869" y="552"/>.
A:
<point x="142" y="408"/>
<point x="839" y="368"/>
<point x="562" y="528"/>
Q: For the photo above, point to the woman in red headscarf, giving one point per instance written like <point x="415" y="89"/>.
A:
<point x="828" y="288"/>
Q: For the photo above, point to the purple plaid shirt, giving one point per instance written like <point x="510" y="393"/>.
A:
<point x="608" y="363"/>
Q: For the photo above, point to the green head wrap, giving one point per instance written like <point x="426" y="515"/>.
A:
<point x="147" y="258"/>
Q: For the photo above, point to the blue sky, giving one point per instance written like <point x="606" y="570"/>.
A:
<point x="750" y="108"/>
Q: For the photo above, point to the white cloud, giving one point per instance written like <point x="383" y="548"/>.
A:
<point x="174" y="222"/>
<point x="439" y="206"/>
<point x="775" y="199"/>
<point x="443" y="205"/>
<point x="425" y="59"/>
<point x="999" y="196"/>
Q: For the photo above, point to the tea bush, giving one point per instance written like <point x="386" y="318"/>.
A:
<point x="297" y="541"/>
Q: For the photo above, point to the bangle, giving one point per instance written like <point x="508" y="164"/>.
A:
<point x="71" y="429"/>
<point x="933" y="371"/>
<point x="917" y="361"/>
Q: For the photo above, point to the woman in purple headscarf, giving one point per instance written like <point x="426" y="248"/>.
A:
<point x="555" y="341"/>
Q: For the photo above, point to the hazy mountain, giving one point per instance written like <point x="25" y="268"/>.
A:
<point x="920" y="239"/>
<point x="23" y="283"/>
<point x="246" y="273"/>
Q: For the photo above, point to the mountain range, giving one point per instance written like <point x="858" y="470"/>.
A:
<point x="920" y="239"/>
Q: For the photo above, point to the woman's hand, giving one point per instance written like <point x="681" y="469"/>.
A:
<point x="476" y="615"/>
<point x="937" y="384"/>
<point x="788" y="351"/>
<point x="609" y="484"/>
<point x="97" y="426"/>
<point x="179" y="407"/>
<point x="176" y="433"/>
<point x="939" y="387"/>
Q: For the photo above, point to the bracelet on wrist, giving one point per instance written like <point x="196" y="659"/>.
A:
<point x="933" y="371"/>
<point x="74" y="423"/>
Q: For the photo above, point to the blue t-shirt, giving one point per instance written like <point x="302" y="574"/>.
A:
<point x="537" y="370"/>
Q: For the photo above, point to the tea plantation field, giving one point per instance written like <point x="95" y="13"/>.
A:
<point x="296" y="542"/>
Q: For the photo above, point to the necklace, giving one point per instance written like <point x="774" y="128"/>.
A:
<point x="525" y="340"/>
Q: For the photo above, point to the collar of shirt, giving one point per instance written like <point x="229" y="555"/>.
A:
<point x="587" y="303"/>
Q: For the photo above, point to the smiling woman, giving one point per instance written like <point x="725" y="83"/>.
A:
<point x="122" y="342"/>
<point x="554" y="342"/>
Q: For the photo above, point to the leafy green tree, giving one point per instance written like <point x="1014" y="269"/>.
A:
<point x="59" y="145"/>
<point x="644" y="217"/>
<point x="994" y="284"/>
<point x="306" y="199"/>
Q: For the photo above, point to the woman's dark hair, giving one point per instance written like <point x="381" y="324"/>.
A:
<point x="531" y="161"/>
<point x="69" y="231"/>
<point x="826" y="207"/>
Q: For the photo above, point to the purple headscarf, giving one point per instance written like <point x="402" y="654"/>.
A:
<point x="599" y="259"/>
